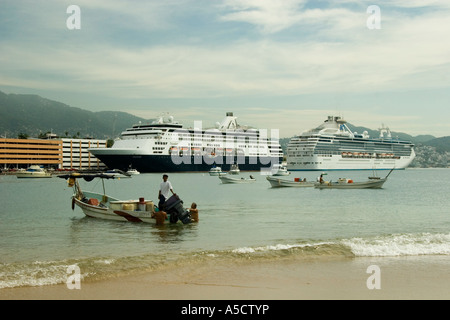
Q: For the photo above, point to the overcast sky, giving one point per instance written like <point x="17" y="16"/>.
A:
<point x="277" y="64"/>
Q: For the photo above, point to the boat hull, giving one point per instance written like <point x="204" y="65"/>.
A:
<point x="145" y="163"/>
<point x="337" y="162"/>
<point x="281" y="173"/>
<point x="115" y="215"/>
<point x="229" y="180"/>
<point x="371" y="184"/>
<point x="33" y="175"/>
<point x="280" y="183"/>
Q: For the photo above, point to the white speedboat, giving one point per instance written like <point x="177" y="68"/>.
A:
<point x="215" y="171"/>
<point x="228" y="179"/>
<point x="278" y="183"/>
<point x="102" y="206"/>
<point x="234" y="169"/>
<point x="133" y="172"/>
<point x="280" y="170"/>
<point x="34" y="172"/>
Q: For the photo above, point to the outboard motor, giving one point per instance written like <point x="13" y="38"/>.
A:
<point x="174" y="207"/>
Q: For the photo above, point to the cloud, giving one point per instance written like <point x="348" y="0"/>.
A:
<point x="247" y="50"/>
<point x="270" y="16"/>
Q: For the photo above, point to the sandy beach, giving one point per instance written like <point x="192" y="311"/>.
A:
<point x="285" y="279"/>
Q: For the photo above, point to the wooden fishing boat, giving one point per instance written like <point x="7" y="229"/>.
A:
<point x="276" y="182"/>
<point x="228" y="179"/>
<point x="102" y="206"/>
<point x="343" y="183"/>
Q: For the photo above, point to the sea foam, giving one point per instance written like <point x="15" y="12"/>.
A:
<point x="400" y="245"/>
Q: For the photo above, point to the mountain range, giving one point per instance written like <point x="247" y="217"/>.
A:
<point x="30" y="115"/>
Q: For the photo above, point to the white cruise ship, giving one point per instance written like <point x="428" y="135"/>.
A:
<point x="164" y="145"/>
<point x="332" y="146"/>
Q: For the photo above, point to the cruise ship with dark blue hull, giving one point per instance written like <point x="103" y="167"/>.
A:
<point x="165" y="163"/>
<point x="164" y="145"/>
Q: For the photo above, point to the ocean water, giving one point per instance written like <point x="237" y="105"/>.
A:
<point x="40" y="235"/>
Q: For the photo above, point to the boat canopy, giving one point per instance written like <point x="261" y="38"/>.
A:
<point x="86" y="176"/>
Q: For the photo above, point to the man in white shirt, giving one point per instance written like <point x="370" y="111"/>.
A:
<point x="164" y="189"/>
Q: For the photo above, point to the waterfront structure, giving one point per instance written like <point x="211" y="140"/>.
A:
<point x="77" y="156"/>
<point x="21" y="153"/>
<point x="50" y="153"/>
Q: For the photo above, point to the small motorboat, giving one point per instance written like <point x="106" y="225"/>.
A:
<point x="102" y="206"/>
<point x="297" y="182"/>
<point x="34" y="171"/>
<point x="228" y="179"/>
<point x="133" y="172"/>
<point x="280" y="170"/>
<point x="215" y="171"/>
<point x="118" y="173"/>
<point x="234" y="169"/>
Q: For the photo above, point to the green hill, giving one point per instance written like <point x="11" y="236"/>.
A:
<point x="33" y="115"/>
<point x="441" y="144"/>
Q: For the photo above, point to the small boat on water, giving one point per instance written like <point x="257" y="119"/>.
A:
<point x="297" y="182"/>
<point x="34" y="172"/>
<point x="280" y="170"/>
<point x="234" y="169"/>
<point x="102" y="206"/>
<point x="343" y="183"/>
<point x="215" y="171"/>
<point x="228" y="179"/>
<point x="133" y="172"/>
<point x="118" y="173"/>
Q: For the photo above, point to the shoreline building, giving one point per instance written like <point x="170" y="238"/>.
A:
<point x="77" y="156"/>
<point x="66" y="153"/>
<point x="21" y="153"/>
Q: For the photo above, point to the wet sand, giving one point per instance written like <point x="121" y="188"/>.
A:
<point x="422" y="277"/>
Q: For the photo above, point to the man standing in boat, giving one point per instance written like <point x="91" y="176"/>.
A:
<point x="164" y="189"/>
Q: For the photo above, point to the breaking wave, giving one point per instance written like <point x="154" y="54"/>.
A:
<point x="41" y="273"/>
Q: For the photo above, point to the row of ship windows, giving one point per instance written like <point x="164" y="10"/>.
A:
<point x="370" y="152"/>
<point x="219" y="138"/>
<point x="209" y="145"/>
<point x="377" y="156"/>
<point x="305" y="162"/>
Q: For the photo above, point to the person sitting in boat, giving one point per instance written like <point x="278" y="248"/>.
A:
<point x="160" y="217"/>
<point x="321" y="179"/>
<point x="193" y="212"/>
<point x="164" y="189"/>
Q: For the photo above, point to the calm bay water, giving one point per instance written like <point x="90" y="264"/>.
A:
<point x="40" y="235"/>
